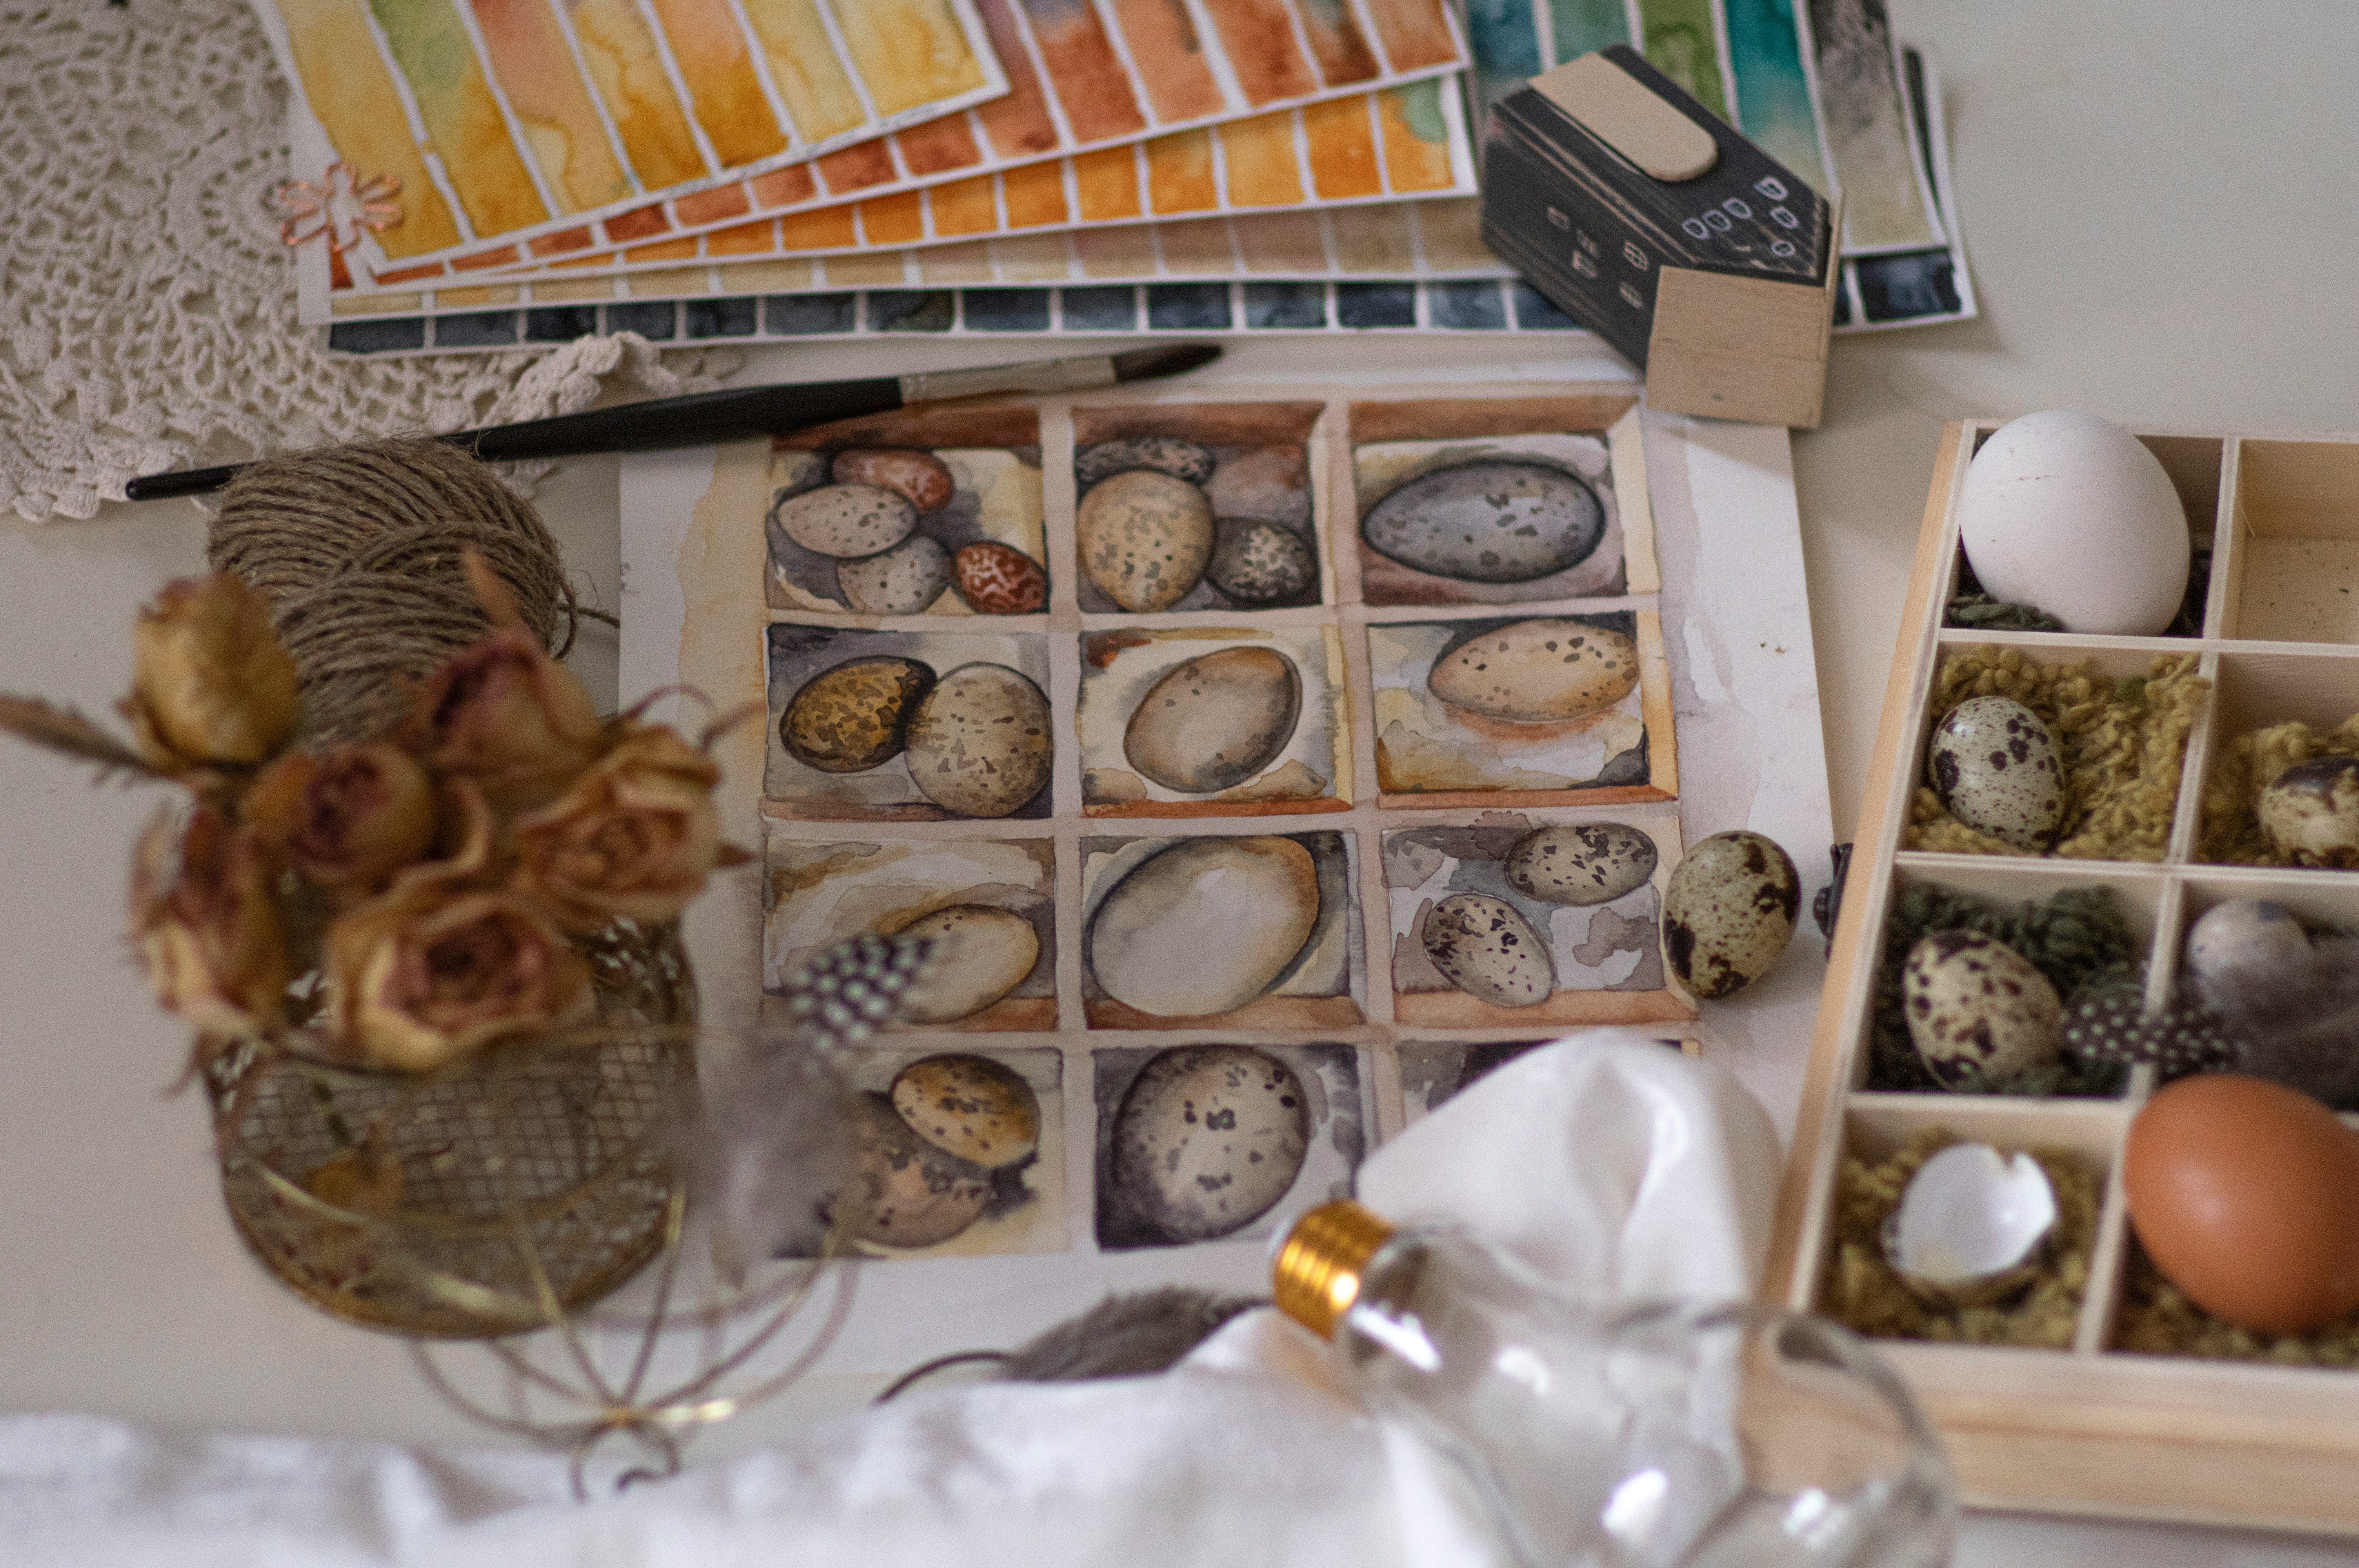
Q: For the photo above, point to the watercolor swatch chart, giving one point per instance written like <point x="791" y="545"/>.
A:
<point x="507" y="119"/>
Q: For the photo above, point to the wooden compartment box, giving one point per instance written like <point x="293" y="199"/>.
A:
<point x="2094" y="1427"/>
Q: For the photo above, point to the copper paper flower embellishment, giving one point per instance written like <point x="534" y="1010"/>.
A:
<point x="340" y="207"/>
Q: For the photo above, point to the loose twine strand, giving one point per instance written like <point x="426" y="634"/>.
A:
<point x="360" y="549"/>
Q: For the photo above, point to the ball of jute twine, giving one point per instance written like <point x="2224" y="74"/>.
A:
<point x="361" y="551"/>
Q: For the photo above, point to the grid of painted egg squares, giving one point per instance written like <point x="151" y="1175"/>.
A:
<point x="2218" y="872"/>
<point x="1186" y="635"/>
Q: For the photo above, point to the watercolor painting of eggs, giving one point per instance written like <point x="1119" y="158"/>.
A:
<point x="1258" y="772"/>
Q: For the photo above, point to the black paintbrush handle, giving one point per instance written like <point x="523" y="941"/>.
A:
<point x="730" y="414"/>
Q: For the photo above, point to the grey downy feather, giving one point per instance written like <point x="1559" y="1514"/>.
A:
<point x="2297" y="1018"/>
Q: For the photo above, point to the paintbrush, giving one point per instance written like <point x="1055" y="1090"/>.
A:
<point x="738" y="413"/>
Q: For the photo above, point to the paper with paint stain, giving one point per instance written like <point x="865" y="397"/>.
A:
<point x="508" y="120"/>
<point x="1275" y="103"/>
<point x="1371" y="151"/>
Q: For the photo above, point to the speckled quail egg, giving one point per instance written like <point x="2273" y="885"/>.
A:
<point x="2310" y="812"/>
<point x="1486" y="949"/>
<point x="1978" y="1012"/>
<point x="1995" y="765"/>
<point x="1729" y="911"/>
<point x="2240" y="936"/>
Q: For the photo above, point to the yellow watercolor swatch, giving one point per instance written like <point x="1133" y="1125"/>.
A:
<point x="817" y="94"/>
<point x="619" y="52"/>
<point x="718" y="69"/>
<point x="909" y="52"/>
<point x="431" y="49"/>
<point x="1108" y="183"/>
<point x="1342" y="150"/>
<point x="364" y="118"/>
<point x="1180" y="173"/>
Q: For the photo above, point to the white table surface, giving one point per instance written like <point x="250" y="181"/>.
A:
<point x="2162" y="208"/>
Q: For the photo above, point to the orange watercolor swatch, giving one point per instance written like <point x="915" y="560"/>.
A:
<point x="1108" y="183"/>
<point x="744" y="240"/>
<point x="1087" y="75"/>
<point x="1342" y="150"/>
<point x="1415" y="32"/>
<point x="1170" y="57"/>
<point x="820" y="229"/>
<point x="553" y="108"/>
<point x="1019" y="123"/>
<point x="619" y="53"/>
<point x="1335" y="41"/>
<point x="1034" y="195"/>
<point x="363" y="117"/>
<point x="938" y="147"/>
<point x="718" y="71"/>
<point x="1262" y="48"/>
<point x="1180" y="173"/>
<point x="431" y="49"/>
<point x="893" y="219"/>
<point x="964" y="207"/>
<point x="1416" y="138"/>
<point x="1260" y="155"/>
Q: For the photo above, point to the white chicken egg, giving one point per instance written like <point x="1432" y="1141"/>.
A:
<point x="2071" y="513"/>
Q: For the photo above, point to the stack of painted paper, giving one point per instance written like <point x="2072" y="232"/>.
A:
<point x="789" y="169"/>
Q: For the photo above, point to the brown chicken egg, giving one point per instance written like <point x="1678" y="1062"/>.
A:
<point x="2246" y="1197"/>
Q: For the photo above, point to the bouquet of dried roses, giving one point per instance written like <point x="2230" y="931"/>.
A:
<point x="398" y="904"/>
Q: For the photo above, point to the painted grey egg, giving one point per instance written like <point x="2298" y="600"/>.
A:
<point x="922" y="477"/>
<point x="1145" y="538"/>
<point x="1538" y="671"/>
<point x="1204" y="926"/>
<point x="1216" y="721"/>
<point x="2310" y="812"/>
<point x="1995" y="765"/>
<point x="1592" y="862"/>
<point x="1978" y="1012"/>
<point x="1154" y="454"/>
<point x="2239" y="936"/>
<point x="903" y="1191"/>
<point x="978" y="744"/>
<point x="1487" y="950"/>
<point x="902" y="580"/>
<point x="1490" y="521"/>
<point x="975" y="954"/>
<point x="855" y="715"/>
<point x="971" y="1107"/>
<point x="1207" y="1140"/>
<point x="1261" y="563"/>
<point x="1728" y="912"/>
<point x="847" y="521"/>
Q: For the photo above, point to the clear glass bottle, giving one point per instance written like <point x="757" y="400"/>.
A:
<point x="1596" y="1432"/>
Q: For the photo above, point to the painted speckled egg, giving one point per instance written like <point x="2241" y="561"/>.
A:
<point x="846" y="521"/>
<point x="1593" y="863"/>
<point x="1207" y="1140"/>
<point x="2310" y="812"/>
<point x="1978" y="1012"/>
<point x="1728" y="912"/>
<point x="1486" y="949"/>
<point x="1538" y="671"/>
<point x="975" y="954"/>
<point x="2240" y="936"/>
<point x="979" y="743"/>
<point x="971" y="1107"/>
<point x="1259" y="563"/>
<point x="903" y="1191"/>
<point x="1994" y="764"/>
<point x="1145" y="538"/>
<point x="921" y="477"/>
<point x="902" y="580"/>
<point x="854" y="716"/>
<point x="1169" y="455"/>
<point x="1216" y="721"/>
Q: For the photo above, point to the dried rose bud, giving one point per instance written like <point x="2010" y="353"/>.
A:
<point x="212" y="686"/>
<point x="636" y="836"/>
<point x="212" y="942"/>
<point x="350" y="819"/>
<point x="418" y="978"/>
<point x="506" y="715"/>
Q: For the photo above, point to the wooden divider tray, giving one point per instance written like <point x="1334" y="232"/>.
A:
<point x="2097" y="1427"/>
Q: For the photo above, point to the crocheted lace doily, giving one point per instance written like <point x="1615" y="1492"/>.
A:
<point x="147" y="305"/>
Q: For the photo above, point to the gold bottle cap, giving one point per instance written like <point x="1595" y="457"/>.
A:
<point x="1316" y="1276"/>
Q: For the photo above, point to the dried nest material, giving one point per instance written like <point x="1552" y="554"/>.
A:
<point x="2231" y="833"/>
<point x="1864" y="1292"/>
<point x="2156" y="1320"/>
<point x="2077" y="939"/>
<point x="2123" y="742"/>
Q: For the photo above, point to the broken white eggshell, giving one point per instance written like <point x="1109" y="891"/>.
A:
<point x="1970" y="1225"/>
